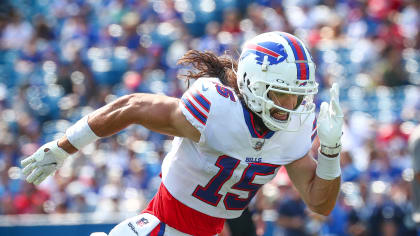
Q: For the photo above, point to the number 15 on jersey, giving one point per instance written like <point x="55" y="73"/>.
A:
<point x="210" y="193"/>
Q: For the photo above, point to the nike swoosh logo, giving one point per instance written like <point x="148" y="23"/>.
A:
<point x="204" y="88"/>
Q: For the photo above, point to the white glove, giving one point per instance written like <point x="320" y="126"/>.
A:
<point x="330" y="124"/>
<point x="44" y="162"/>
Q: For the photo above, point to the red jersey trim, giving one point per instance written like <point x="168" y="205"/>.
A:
<point x="181" y="217"/>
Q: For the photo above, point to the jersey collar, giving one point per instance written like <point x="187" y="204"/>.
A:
<point x="250" y="122"/>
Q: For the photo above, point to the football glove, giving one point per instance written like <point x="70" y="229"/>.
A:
<point x="330" y="124"/>
<point x="44" y="162"/>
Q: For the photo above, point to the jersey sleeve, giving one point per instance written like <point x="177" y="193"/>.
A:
<point x="314" y="132"/>
<point x="196" y="104"/>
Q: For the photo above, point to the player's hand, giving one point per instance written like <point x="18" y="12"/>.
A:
<point x="330" y="123"/>
<point x="44" y="162"/>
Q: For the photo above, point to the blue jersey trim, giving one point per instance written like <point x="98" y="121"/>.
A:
<point x="201" y="100"/>
<point x="162" y="229"/>
<point x="249" y="117"/>
<point x="202" y="118"/>
<point x="314" y="136"/>
<point x="314" y="130"/>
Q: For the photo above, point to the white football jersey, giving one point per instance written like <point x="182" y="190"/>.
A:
<point x="219" y="175"/>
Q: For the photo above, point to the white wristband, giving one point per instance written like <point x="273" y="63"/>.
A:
<point x="80" y="134"/>
<point x="328" y="168"/>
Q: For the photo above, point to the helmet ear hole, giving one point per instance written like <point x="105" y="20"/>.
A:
<point x="247" y="80"/>
<point x="248" y="83"/>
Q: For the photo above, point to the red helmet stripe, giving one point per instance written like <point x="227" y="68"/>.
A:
<point x="259" y="48"/>
<point x="300" y="55"/>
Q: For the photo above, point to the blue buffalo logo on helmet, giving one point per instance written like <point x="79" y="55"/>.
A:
<point x="275" y="52"/>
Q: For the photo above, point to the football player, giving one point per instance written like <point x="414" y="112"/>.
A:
<point x="234" y="128"/>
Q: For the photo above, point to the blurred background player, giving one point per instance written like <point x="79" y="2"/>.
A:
<point x="234" y="130"/>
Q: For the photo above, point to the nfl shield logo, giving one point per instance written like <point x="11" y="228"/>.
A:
<point x="142" y="222"/>
<point x="258" y="145"/>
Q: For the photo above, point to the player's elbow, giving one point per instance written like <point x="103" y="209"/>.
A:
<point x="322" y="206"/>
<point x="322" y="210"/>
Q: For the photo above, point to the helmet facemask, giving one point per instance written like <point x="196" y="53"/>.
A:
<point x="303" y="107"/>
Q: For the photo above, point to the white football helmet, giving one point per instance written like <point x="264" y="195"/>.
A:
<point x="278" y="62"/>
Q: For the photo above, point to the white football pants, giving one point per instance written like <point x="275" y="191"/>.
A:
<point x="143" y="225"/>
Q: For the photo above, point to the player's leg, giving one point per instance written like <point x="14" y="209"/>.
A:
<point x="142" y="225"/>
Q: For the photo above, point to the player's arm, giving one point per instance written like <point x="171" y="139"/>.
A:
<point x="319" y="182"/>
<point x="319" y="194"/>
<point x="156" y="112"/>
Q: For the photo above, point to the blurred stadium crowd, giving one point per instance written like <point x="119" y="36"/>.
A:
<point x="60" y="59"/>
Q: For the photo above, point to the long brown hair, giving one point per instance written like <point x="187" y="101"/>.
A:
<point x="207" y="64"/>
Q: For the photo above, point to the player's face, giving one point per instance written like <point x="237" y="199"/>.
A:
<point x="285" y="100"/>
